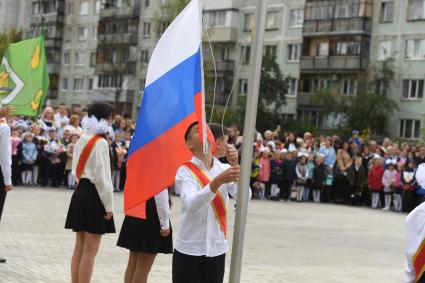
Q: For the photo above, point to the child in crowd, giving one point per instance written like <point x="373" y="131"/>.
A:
<point x="29" y="157"/>
<point x="301" y="170"/>
<point x="16" y="141"/>
<point x="408" y="185"/>
<point x="275" y="175"/>
<point x="375" y="181"/>
<point x="388" y="181"/>
<point x="255" y="172"/>
<point x="318" y="180"/>
<point x="118" y="153"/>
<point x="310" y="167"/>
<point x="264" y="176"/>
<point x="71" y="180"/>
<point x="289" y="175"/>
<point x="397" y="200"/>
<point x="357" y="179"/>
<point x="329" y="180"/>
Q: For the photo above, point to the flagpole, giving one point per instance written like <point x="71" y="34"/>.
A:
<point x="248" y="138"/>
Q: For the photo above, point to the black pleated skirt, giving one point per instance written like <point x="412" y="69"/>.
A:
<point x="143" y="235"/>
<point x="86" y="211"/>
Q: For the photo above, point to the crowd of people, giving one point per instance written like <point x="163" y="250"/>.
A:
<point x="330" y="169"/>
<point x="42" y="148"/>
<point x="284" y="166"/>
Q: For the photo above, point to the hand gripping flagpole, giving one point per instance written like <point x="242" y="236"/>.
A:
<point x="248" y="137"/>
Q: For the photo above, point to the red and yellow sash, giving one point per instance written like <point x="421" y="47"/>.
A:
<point x="84" y="156"/>
<point x="217" y="203"/>
<point x="419" y="261"/>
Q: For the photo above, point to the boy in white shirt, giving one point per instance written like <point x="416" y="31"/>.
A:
<point x="205" y="184"/>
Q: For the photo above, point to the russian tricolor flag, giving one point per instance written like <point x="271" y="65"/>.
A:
<point x="173" y="99"/>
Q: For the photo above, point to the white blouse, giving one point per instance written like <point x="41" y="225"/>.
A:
<point x="163" y="209"/>
<point x="5" y="152"/>
<point x="97" y="170"/>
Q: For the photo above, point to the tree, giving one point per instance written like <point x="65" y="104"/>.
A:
<point x="7" y="38"/>
<point x="273" y="88"/>
<point x="167" y="13"/>
<point x="369" y="109"/>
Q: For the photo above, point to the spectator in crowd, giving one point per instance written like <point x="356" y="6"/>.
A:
<point x="74" y="126"/>
<point x="61" y="119"/>
<point x="329" y="152"/>
<point x="344" y="163"/>
<point x="408" y="184"/>
<point x="289" y="175"/>
<point x="265" y="170"/>
<point x="318" y="181"/>
<point x="357" y="178"/>
<point x="16" y="141"/>
<point x="301" y="170"/>
<point x="276" y="164"/>
<point x="29" y="157"/>
<point x="46" y="121"/>
<point x="388" y="181"/>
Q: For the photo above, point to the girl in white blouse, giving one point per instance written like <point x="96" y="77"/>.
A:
<point x="90" y="211"/>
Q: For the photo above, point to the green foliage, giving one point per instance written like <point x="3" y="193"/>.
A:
<point x="273" y="88"/>
<point x="7" y="38"/>
<point x="167" y="13"/>
<point x="370" y="108"/>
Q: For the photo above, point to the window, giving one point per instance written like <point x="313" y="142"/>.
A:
<point x="92" y="59"/>
<point x="416" y="10"/>
<point x="384" y="50"/>
<point x="272" y="20"/>
<point x="107" y="81"/>
<point x="294" y="52"/>
<point x="415" y="49"/>
<point x="142" y="85"/>
<point x="98" y="6"/>
<point x="243" y="86"/>
<point x="82" y="33"/>
<point x="292" y="86"/>
<point x="387" y="12"/>
<point x="84" y="8"/>
<point x="64" y="84"/>
<point x="270" y="51"/>
<point x="215" y="18"/>
<point x="410" y="129"/>
<point x="296" y="18"/>
<point x="35" y="8"/>
<point x="346" y="10"/>
<point x="78" y="85"/>
<point x="70" y="9"/>
<point x="322" y="49"/>
<point x="95" y="33"/>
<point x="79" y="59"/>
<point x="319" y="84"/>
<point x="247" y="56"/>
<point x="90" y="84"/>
<point x="348" y="48"/>
<point x="146" y="29"/>
<point x="248" y="21"/>
<point x="66" y="59"/>
<point x="147" y="3"/>
<point x="349" y="86"/>
<point x="321" y="11"/>
<point x="413" y="89"/>
<point x="145" y="56"/>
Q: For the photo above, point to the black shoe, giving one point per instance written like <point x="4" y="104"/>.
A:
<point x="2" y="260"/>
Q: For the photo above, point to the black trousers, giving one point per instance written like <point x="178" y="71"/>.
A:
<point x="198" y="269"/>
<point x="2" y="193"/>
<point x="285" y="189"/>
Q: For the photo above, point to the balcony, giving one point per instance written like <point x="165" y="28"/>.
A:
<point x="122" y="12"/>
<point x="53" y="42"/>
<point x="337" y="26"/>
<point x="334" y="63"/>
<point x="221" y="34"/>
<point x="123" y="68"/>
<point x="304" y="98"/>
<point x="49" y="19"/>
<point x="117" y="39"/>
<point x="226" y="66"/>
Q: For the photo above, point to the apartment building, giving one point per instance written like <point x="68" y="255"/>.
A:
<point x="11" y="14"/>
<point x="399" y="32"/>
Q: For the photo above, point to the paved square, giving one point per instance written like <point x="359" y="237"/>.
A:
<point x="285" y="242"/>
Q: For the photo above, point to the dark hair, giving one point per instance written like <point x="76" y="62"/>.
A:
<point x="100" y="110"/>
<point x="186" y="135"/>
<point x="218" y="130"/>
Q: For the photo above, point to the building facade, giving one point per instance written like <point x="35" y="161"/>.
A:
<point x="11" y="14"/>
<point x="399" y="33"/>
<point x="78" y="60"/>
<point x="282" y="40"/>
<point x="336" y="46"/>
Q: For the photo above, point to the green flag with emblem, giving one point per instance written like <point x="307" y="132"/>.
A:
<point x="24" y="79"/>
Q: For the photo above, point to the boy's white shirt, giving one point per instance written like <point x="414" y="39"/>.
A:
<point x="200" y="234"/>
<point x="415" y="235"/>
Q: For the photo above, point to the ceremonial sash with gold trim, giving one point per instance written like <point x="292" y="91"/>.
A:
<point x="84" y="156"/>
<point x="419" y="261"/>
<point x="217" y="203"/>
